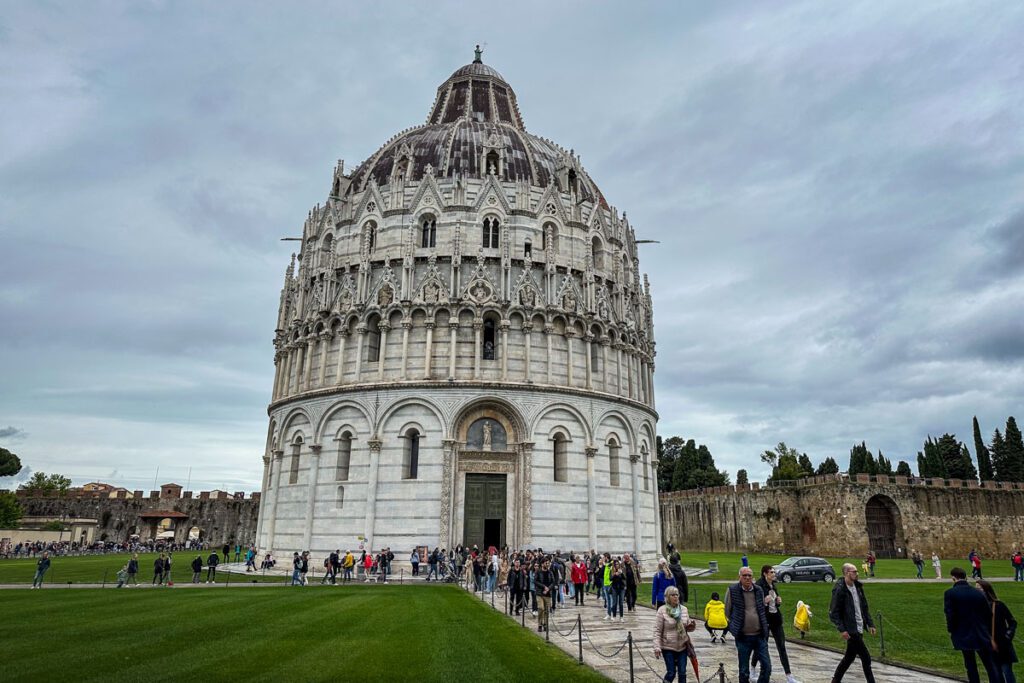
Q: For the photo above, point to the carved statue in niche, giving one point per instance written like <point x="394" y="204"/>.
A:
<point x="569" y="301"/>
<point x="602" y="308"/>
<point x="431" y="293"/>
<point x="527" y="297"/>
<point x="481" y="292"/>
<point x="486" y="436"/>
<point x="385" y="296"/>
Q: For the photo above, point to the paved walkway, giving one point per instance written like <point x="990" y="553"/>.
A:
<point x="810" y="664"/>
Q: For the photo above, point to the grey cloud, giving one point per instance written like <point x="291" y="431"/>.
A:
<point x="13" y="434"/>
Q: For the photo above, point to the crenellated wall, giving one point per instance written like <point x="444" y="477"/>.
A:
<point x="830" y="516"/>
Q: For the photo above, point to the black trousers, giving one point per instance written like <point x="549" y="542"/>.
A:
<point x="516" y="597"/>
<point x="855" y="647"/>
<point x="578" y="588"/>
<point x="971" y="664"/>
<point x="631" y="597"/>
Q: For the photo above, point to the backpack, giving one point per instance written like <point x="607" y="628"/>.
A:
<point x="327" y="562"/>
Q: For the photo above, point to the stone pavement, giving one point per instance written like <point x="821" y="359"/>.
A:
<point x="810" y="664"/>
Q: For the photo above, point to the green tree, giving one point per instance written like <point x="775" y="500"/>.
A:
<point x="786" y="463"/>
<point x="884" y="465"/>
<point x="862" y="461"/>
<point x="741" y="478"/>
<point x="42" y="483"/>
<point x="1013" y="453"/>
<point x="668" y="453"/>
<point x="980" y="450"/>
<point x="956" y="459"/>
<point x="903" y="469"/>
<point x="930" y="462"/>
<point x="998" y="449"/>
<point x="10" y="464"/>
<point x="10" y="510"/>
<point x="828" y="466"/>
<point x="695" y="467"/>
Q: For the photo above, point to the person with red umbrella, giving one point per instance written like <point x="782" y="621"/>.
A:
<point x="672" y="626"/>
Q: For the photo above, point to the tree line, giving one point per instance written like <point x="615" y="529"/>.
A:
<point x="683" y="465"/>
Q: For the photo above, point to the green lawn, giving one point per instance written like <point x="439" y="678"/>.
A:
<point x="729" y="564"/>
<point x="396" y="633"/>
<point x="914" y="626"/>
<point x="92" y="568"/>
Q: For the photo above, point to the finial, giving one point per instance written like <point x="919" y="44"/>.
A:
<point x="476" y="55"/>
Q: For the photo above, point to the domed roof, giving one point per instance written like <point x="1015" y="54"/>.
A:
<point x="475" y="112"/>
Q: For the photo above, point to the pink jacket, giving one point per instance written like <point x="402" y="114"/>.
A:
<point x="666" y="637"/>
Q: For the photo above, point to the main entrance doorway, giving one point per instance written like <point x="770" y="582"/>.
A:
<point x="485" y="510"/>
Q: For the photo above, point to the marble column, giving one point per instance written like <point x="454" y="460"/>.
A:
<point x="371" y="492"/>
<point x="618" y="369"/>
<point x="339" y="370"/>
<point x="478" y="326"/>
<point x="590" y="370"/>
<point x="361" y="330"/>
<point x="503" y="328"/>
<point x="429" y="354"/>
<point x="382" y="356"/>
<point x="633" y="459"/>
<point x="548" y="331"/>
<point x="453" y="343"/>
<point x="450" y="454"/>
<point x="276" y="477"/>
<point x="591" y="453"/>
<point x="314" y="475"/>
<point x="307" y="362"/>
<point x="528" y="333"/>
<point x="606" y="384"/>
<point x="570" y="334"/>
<point x="406" y="327"/>
<point x="657" y="508"/>
<point x="325" y="344"/>
<point x="526" y="498"/>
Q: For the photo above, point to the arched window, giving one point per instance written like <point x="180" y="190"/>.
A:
<point x="429" y="226"/>
<point x="341" y="497"/>
<point x="344" y="456"/>
<point x="613" y="462"/>
<point x="597" y="253"/>
<point x="489" y="340"/>
<point x="293" y="470"/>
<point x="528" y="248"/>
<point x="561" y="457"/>
<point x="411" y="455"/>
<point x="491" y="232"/>
<point x="373" y="340"/>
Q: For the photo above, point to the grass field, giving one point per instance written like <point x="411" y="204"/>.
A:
<point x="93" y="568"/>
<point x="395" y="633"/>
<point x="913" y="623"/>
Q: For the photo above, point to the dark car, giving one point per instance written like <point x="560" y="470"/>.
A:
<point x="804" y="569"/>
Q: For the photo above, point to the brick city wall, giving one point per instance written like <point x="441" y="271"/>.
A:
<point x="220" y="516"/>
<point x="827" y="515"/>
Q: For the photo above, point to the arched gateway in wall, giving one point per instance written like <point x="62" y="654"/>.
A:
<point x="464" y="349"/>
<point x="885" y="527"/>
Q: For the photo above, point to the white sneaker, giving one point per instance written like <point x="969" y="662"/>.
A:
<point x="621" y="619"/>
<point x="606" y="618"/>
<point x="790" y="679"/>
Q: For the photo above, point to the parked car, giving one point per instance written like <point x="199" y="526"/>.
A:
<point x="804" y="569"/>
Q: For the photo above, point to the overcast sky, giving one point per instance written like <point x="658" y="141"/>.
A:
<point x="838" y="189"/>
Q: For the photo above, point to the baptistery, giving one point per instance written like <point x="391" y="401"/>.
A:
<point x="464" y="350"/>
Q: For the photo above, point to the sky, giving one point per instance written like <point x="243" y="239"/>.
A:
<point x="838" y="189"/>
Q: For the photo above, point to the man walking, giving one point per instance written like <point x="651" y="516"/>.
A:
<point x="918" y="563"/>
<point x="968" y="616"/>
<point x="544" y="582"/>
<point x="849" y="614"/>
<point x="197" y="568"/>
<point x="41" y="568"/>
<point x="211" y="567"/>
<point x="748" y="625"/>
<point x="1018" y="566"/>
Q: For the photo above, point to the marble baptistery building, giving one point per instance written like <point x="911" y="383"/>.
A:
<point x="464" y="349"/>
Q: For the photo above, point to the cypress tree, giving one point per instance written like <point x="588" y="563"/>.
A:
<point x="884" y="465"/>
<point x="903" y="469"/>
<point x="741" y="478"/>
<point x="805" y="464"/>
<point x="980" y="450"/>
<point x="1014" y="449"/>
<point x="931" y="463"/>
<point x="828" y="466"/>
<point x="999" y="465"/>
<point x="857" y="460"/>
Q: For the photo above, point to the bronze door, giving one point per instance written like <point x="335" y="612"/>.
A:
<point x="485" y="510"/>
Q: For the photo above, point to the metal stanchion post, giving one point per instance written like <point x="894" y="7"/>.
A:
<point x="401" y="578"/>
<point x="629" y="639"/>
<point x="227" y="580"/>
<point x="524" y="615"/>
<point x="492" y="601"/>
<point x="881" y="634"/>
<point x="721" y="673"/>
<point x="104" y="578"/>
<point x="579" y="635"/>
<point x="695" y="602"/>
<point x="547" y="626"/>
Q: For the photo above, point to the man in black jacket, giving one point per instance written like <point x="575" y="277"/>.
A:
<point x="211" y="566"/>
<point x="675" y="566"/>
<point x="544" y="582"/>
<point x="850" y="615"/>
<point x="968" y="616"/>
<point x="197" y="568"/>
<point x="518" y="586"/>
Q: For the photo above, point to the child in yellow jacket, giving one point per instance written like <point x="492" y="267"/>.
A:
<point x="714" y="618"/>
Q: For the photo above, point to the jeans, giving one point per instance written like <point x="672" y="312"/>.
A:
<point x="987" y="660"/>
<point x="746" y="646"/>
<point x="348" y="573"/>
<point x="491" y="580"/>
<point x="855" y="647"/>
<point x="920" y="569"/>
<point x="211" y="573"/>
<point x="415" y="568"/>
<point x="1008" y="676"/>
<point x="296" y="577"/>
<point x="614" y="602"/>
<point x="674" y="662"/>
<point x="196" y="575"/>
<point x="432" y="571"/>
<point x="1018" y="573"/>
<point x="37" y="580"/>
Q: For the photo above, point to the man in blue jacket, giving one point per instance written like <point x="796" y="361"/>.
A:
<point x="968" y="616"/>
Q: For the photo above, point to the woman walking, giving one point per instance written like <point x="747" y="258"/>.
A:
<point x="937" y="566"/>
<point x="772" y="604"/>
<point x="671" y="637"/>
<point x="631" y="572"/>
<point x="1004" y="628"/>
<point x="616" y="588"/>
<point x="662" y="580"/>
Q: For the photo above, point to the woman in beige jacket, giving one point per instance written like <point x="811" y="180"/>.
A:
<point x="670" y="635"/>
